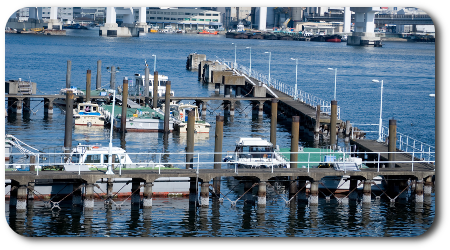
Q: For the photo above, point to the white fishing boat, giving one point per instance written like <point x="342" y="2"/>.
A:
<point x="179" y="113"/>
<point x="88" y="114"/>
<point x="140" y="82"/>
<point x="62" y="101"/>
<point x="255" y="153"/>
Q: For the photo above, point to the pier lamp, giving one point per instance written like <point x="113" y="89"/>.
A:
<point x="296" y="66"/>
<point x="154" y="64"/>
<point x="335" y="73"/>
<point x="234" y="55"/>
<point x="381" y="110"/>
<point x="270" y="56"/>
<point x="250" y="71"/>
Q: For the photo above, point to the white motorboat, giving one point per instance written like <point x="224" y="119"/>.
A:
<point x="88" y="114"/>
<point x="255" y="153"/>
<point x="62" y="101"/>
<point x="140" y="82"/>
<point x="179" y="113"/>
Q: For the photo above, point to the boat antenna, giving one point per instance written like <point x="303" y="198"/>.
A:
<point x="109" y="171"/>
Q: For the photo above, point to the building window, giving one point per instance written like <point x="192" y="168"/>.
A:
<point x="194" y="19"/>
<point x="215" y="14"/>
<point x="201" y="14"/>
<point x="208" y="20"/>
<point x="202" y="20"/>
<point x="215" y="20"/>
<point x="173" y="18"/>
<point x="166" y="18"/>
<point x="181" y="19"/>
<point x="159" y="18"/>
<point x="180" y="13"/>
<point x="160" y="12"/>
<point x="173" y="13"/>
<point x="152" y="17"/>
<point x="186" y="19"/>
<point x="208" y="14"/>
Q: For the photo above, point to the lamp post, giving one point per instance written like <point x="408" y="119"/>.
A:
<point x="270" y="55"/>
<point x="296" y="67"/>
<point x="154" y="64"/>
<point x="335" y="73"/>
<point x="234" y="66"/>
<point x="250" y="71"/>
<point x="381" y="110"/>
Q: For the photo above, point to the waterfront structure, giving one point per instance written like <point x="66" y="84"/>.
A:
<point x="184" y="18"/>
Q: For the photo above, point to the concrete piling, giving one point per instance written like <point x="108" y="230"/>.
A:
<point x="19" y="105"/>
<point x="167" y="108"/>
<point x="123" y="120"/>
<point x="98" y="82"/>
<point x="88" y="86"/>
<point x="109" y="186"/>
<point x="419" y="191"/>
<point x="227" y="91"/>
<point x="48" y="106"/>
<point x="217" y="88"/>
<point x="89" y="197"/>
<point x="112" y="82"/>
<point x="392" y="147"/>
<point x="218" y="135"/>
<point x="367" y="191"/>
<point x="314" y="193"/>
<point x="68" y="73"/>
<point x="294" y="140"/>
<point x="261" y="109"/>
<point x="147" y="86"/>
<point x="30" y="187"/>
<point x="148" y="195"/>
<point x="135" y="190"/>
<point x="273" y="122"/>
<point x="21" y="204"/>
<point x="232" y="107"/>
<point x="262" y="187"/>
<point x="68" y="122"/>
<point x="333" y="121"/>
<point x="155" y="90"/>
<point x="77" y="195"/>
<point x="293" y="186"/>
<point x="428" y="186"/>
<point x="190" y="139"/>
<point x="204" y="194"/>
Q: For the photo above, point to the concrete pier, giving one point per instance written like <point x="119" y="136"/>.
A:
<point x="204" y="194"/>
<point x="314" y="193"/>
<point x="261" y="200"/>
<point x="148" y="195"/>
<point x="367" y="191"/>
<point x="89" y="197"/>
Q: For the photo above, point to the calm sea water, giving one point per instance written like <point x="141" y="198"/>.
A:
<point x="407" y="69"/>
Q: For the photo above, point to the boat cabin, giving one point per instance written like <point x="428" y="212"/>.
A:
<point x="254" y="148"/>
<point x="140" y="82"/>
<point x="88" y="109"/>
<point x="98" y="156"/>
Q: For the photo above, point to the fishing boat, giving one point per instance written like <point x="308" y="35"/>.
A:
<point x="138" y="89"/>
<point x="62" y="101"/>
<point x="179" y="113"/>
<point x="255" y="153"/>
<point x="88" y="114"/>
<point x="333" y="38"/>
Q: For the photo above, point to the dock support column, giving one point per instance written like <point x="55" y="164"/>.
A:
<point x="392" y="147"/>
<point x="232" y="104"/>
<point x="293" y="186"/>
<point x="135" y="190"/>
<point x="367" y="191"/>
<point x="314" y="193"/>
<point x="123" y="118"/>
<point x="238" y="93"/>
<point x="48" y="106"/>
<point x="69" y="123"/>
<point x="19" y="104"/>
<point x="13" y="194"/>
<point x="98" y="81"/>
<point x="21" y="204"/>
<point x="302" y="187"/>
<point x="68" y="73"/>
<point x="204" y="194"/>
<point x="89" y="197"/>
<point x="353" y="185"/>
<point x="190" y="139"/>
<point x="218" y="151"/>
<point x="333" y="120"/>
<point x="167" y="108"/>
<point x="217" y="88"/>
<point x="294" y="141"/>
<point x="147" y="85"/>
<point x="30" y="195"/>
<point x="155" y="90"/>
<point x="262" y="187"/>
<point x="77" y="195"/>
<point x="419" y="191"/>
<point x="428" y="186"/>
<point x="203" y="109"/>
<point x="227" y="91"/>
<point x="273" y="122"/>
<point x="88" y="86"/>
<point x="109" y="187"/>
<point x="317" y="126"/>
<point x="148" y="195"/>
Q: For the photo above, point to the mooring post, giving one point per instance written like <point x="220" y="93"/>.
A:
<point x="367" y="191"/>
<point x="88" y="86"/>
<point x="333" y="121"/>
<point x="218" y="135"/>
<point x="273" y="122"/>
<point x="89" y="196"/>
<point x="261" y="109"/>
<point x="32" y="162"/>
<point x="294" y="141"/>
<point x="147" y="85"/>
<point x="68" y="123"/>
<point x="68" y="73"/>
<point x="428" y="186"/>
<point x="167" y="108"/>
<point x="238" y="93"/>
<point x="204" y="194"/>
<point x="112" y="82"/>
<point x="155" y="90"/>
<point x="148" y="195"/>
<point x="135" y="190"/>
<point x="419" y="191"/>
<point x="190" y="139"/>
<point x="317" y="125"/>
<point x="98" y="81"/>
<point x="26" y="105"/>
<point x="314" y="193"/>
<point x="123" y="118"/>
<point x="262" y="187"/>
<point x="392" y="147"/>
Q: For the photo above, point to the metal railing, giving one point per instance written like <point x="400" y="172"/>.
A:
<point x="205" y="160"/>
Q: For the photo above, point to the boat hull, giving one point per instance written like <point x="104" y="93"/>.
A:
<point x="143" y="125"/>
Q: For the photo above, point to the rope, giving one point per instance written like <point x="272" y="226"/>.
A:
<point x="234" y="202"/>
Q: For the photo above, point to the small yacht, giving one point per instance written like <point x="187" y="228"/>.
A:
<point x="88" y="114"/>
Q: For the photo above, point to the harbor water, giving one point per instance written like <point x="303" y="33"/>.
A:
<point x="407" y="70"/>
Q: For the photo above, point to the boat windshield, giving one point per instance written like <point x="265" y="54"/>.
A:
<point x="255" y="151"/>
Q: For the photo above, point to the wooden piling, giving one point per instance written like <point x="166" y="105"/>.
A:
<point x="392" y="147"/>
<point x="218" y="135"/>
<point x="294" y="140"/>
<point x="333" y="119"/>
<point x="112" y="82"/>
<point x="98" y="82"/>
<point x="147" y="86"/>
<point x="123" y="120"/>
<point x="88" y="85"/>
<point x="273" y="122"/>
<point x="155" y="90"/>
<point x="190" y="139"/>
<point x="135" y="190"/>
<point x="167" y="108"/>
<point x="68" y="123"/>
<point x="68" y="73"/>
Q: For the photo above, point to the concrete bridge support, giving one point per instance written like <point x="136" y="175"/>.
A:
<point x="364" y="27"/>
<point x="112" y="29"/>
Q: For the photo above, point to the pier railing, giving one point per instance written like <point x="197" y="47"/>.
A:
<point x="296" y="94"/>
<point x="205" y="160"/>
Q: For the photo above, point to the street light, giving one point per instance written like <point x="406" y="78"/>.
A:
<point x="381" y="110"/>
<point x="296" y="66"/>
<point x="270" y="55"/>
<point x="250" y="72"/>
<point x="234" y="55"/>
<point x="154" y="64"/>
<point x="335" y="73"/>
